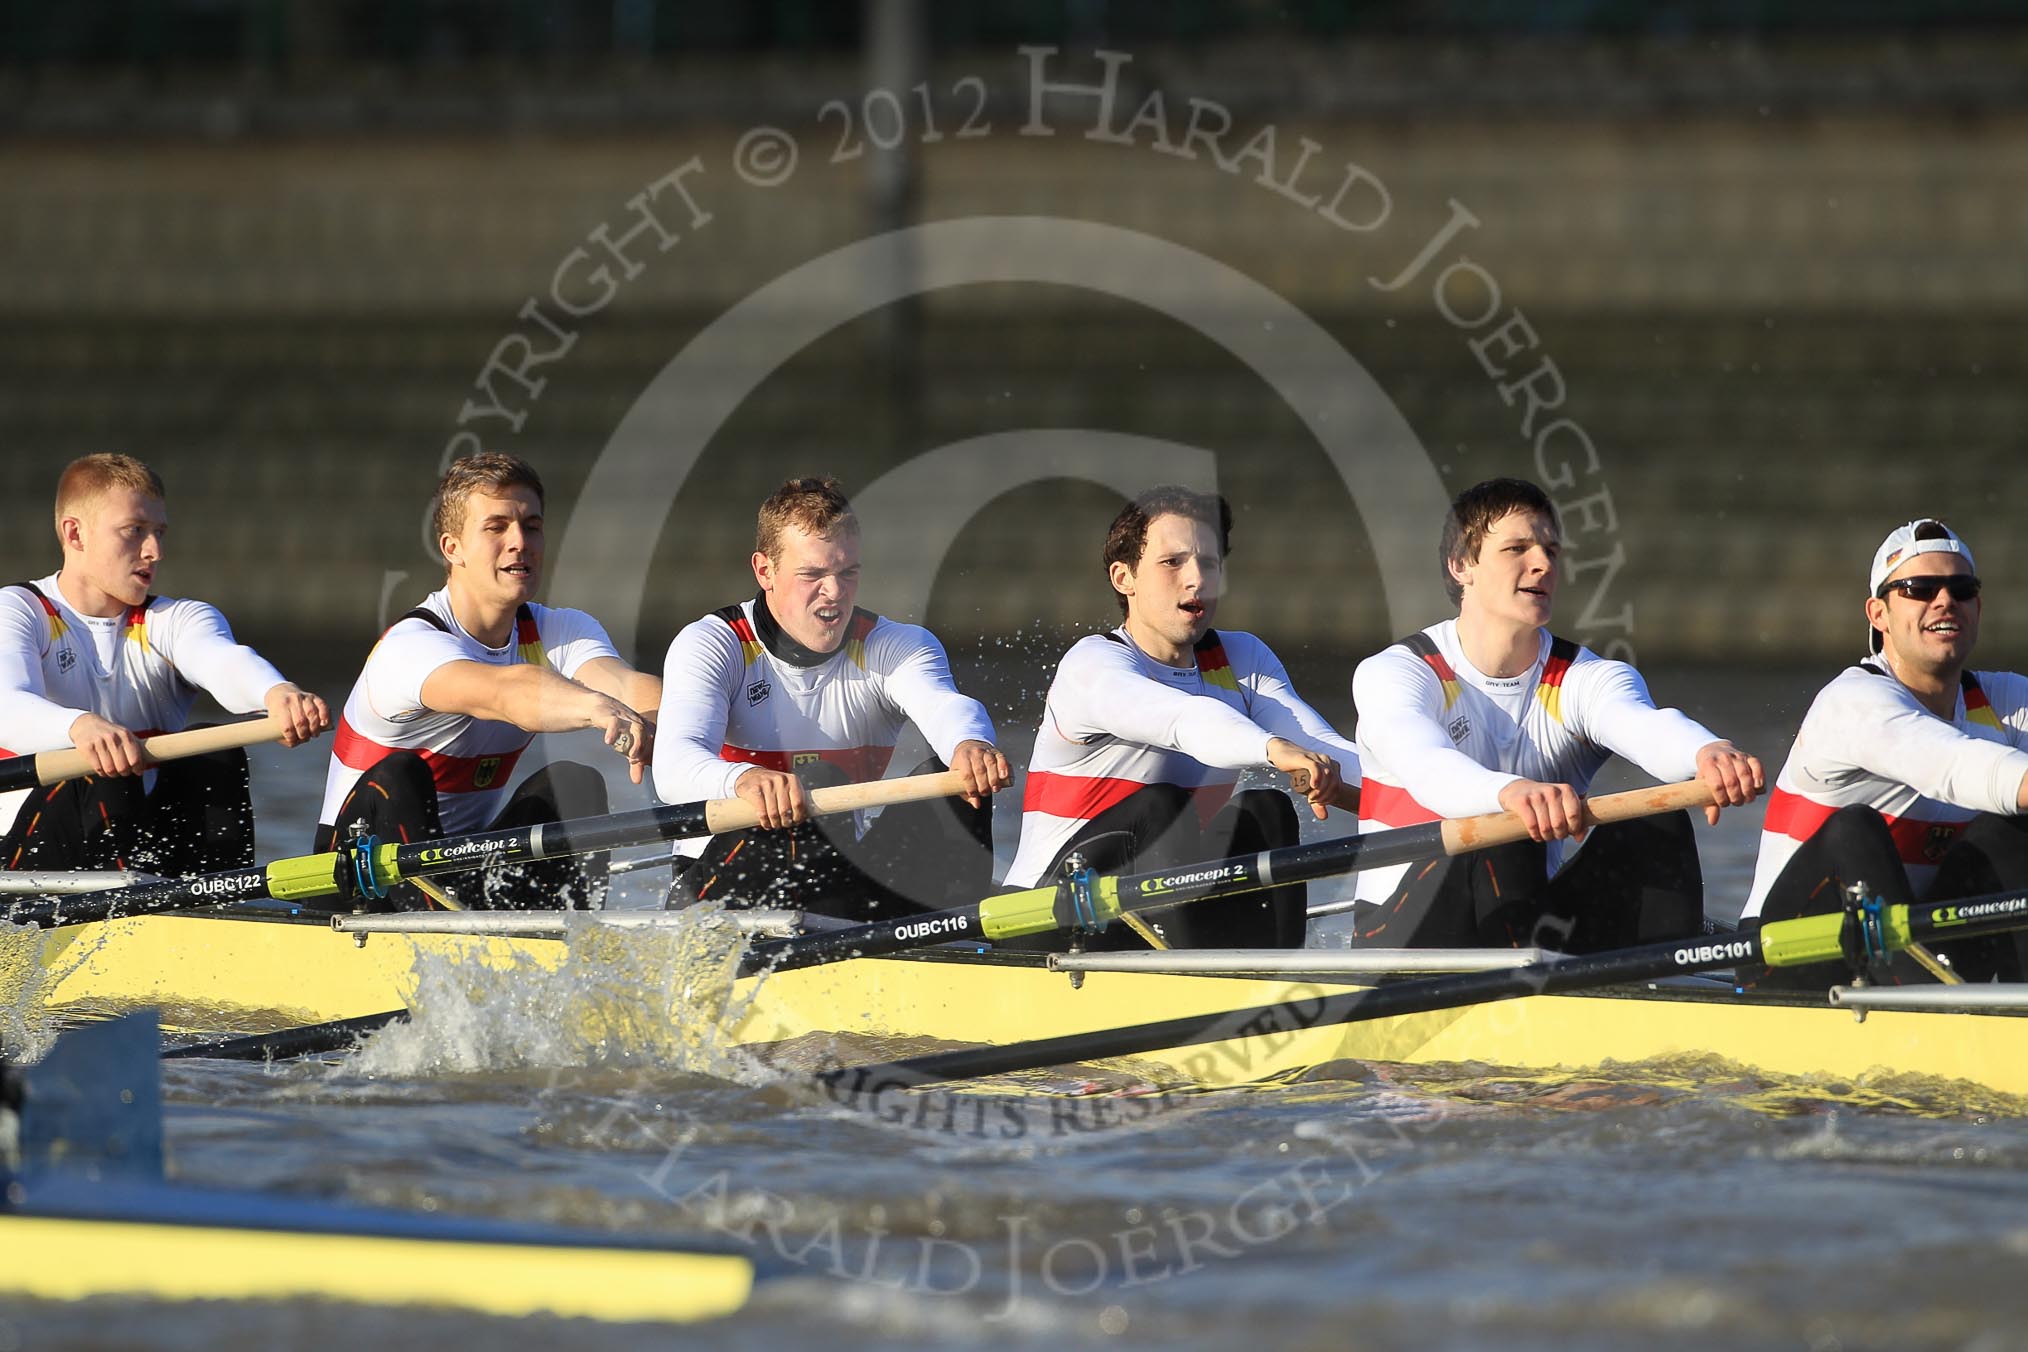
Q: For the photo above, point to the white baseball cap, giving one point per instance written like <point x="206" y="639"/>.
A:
<point x="1901" y="546"/>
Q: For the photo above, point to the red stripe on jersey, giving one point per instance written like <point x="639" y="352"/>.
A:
<point x="1916" y="839"/>
<point x="742" y="628"/>
<point x="1391" y="805"/>
<point x="861" y="764"/>
<point x="1083" y="797"/>
<point x="451" y="774"/>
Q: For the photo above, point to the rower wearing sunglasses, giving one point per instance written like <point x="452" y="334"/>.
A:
<point x="1909" y="770"/>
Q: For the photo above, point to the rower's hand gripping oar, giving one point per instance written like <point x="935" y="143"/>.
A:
<point x="45" y="768"/>
<point x="1862" y="935"/>
<point x="1089" y="902"/>
<point x="367" y="868"/>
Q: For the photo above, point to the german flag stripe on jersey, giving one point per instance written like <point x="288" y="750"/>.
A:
<point x="1549" y="690"/>
<point x="855" y="636"/>
<point x="137" y="623"/>
<point x="1978" y="709"/>
<point x="527" y="639"/>
<point x="1212" y="663"/>
<point x="57" y="628"/>
<point x="750" y="646"/>
<point x="1423" y="646"/>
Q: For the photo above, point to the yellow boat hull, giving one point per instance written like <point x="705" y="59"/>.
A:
<point x="210" y="975"/>
<point x="74" y="1258"/>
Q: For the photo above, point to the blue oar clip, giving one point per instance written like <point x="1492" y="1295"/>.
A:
<point x="1082" y="903"/>
<point x="1864" y="934"/>
<point x="358" y="851"/>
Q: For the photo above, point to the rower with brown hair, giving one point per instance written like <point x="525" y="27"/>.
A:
<point x="457" y="688"/>
<point x="90" y="658"/>
<point x="1490" y="711"/>
<point x="797" y="682"/>
<point x="1147" y="728"/>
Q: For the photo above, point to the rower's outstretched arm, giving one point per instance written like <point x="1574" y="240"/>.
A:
<point x="1100" y="693"/>
<point x="536" y="699"/>
<point x="917" y="681"/>
<point x="1277" y="707"/>
<point x="1935" y="759"/>
<point x="1620" y="715"/>
<point x="194" y="637"/>
<point x="638" y="690"/>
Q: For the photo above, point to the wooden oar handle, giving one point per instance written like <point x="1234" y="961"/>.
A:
<point x="53" y="767"/>
<point x="734" y="814"/>
<point x="1500" y="828"/>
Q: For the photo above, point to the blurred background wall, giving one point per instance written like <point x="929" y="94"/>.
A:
<point x="281" y="249"/>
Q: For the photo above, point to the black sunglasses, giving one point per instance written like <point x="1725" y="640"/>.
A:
<point x="1961" y="586"/>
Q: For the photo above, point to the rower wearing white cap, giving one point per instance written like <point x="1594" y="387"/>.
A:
<point x="1910" y="769"/>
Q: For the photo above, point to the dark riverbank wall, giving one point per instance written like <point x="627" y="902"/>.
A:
<point x="1768" y="334"/>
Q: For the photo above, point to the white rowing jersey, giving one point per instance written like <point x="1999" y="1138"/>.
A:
<point x="1868" y="741"/>
<point x="738" y="692"/>
<point x="1442" y="739"/>
<point x="470" y="759"/>
<point x="141" y="669"/>
<point x="1116" y="721"/>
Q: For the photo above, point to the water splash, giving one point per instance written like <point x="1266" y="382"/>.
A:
<point x="34" y="963"/>
<point x="25" y="1024"/>
<point x="606" y="996"/>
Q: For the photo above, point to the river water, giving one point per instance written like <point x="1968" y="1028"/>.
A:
<point x="1455" y="1207"/>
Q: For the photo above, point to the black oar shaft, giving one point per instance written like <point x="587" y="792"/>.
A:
<point x="859" y="941"/>
<point x="1782" y="943"/>
<point x="338" y="1035"/>
<point x="1044" y="909"/>
<point x="344" y="871"/>
<point x="323" y="875"/>
<point x="549" y="840"/>
<point x="1274" y="868"/>
<point x="1294" y="1016"/>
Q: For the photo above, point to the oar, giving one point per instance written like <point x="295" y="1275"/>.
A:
<point x="44" y="882"/>
<point x="355" y="870"/>
<point x="288" y="1043"/>
<point x="53" y="767"/>
<point x="1062" y="906"/>
<point x="1779" y="943"/>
